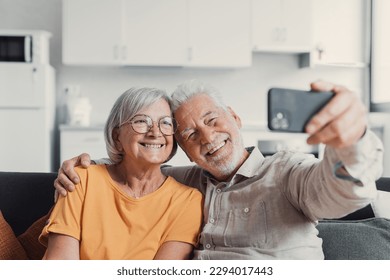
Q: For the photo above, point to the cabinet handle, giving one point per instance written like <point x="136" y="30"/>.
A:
<point x="283" y="34"/>
<point x="34" y="74"/>
<point x="124" y="52"/>
<point x="116" y="52"/>
<point x="190" y="53"/>
<point x="320" y="51"/>
<point x="276" y="34"/>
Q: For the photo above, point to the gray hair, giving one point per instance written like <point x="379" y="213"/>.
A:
<point x="125" y="107"/>
<point x="189" y="89"/>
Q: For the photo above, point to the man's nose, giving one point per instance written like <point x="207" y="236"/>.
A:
<point x="207" y="135"/>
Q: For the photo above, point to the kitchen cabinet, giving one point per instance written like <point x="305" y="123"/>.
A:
<point x="380" y="60"/>
<point x="91" y="32"/>
<point x="155" y="32"/>
<point x="77" y="140"/>
<point x="338" y="39"/>
<point x="124" y="32"/>
<point x="219" y="33"/>
<point x="281" y="26"/>
<point x="192" y="33"/>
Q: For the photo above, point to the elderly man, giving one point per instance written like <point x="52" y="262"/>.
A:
<point x="268" y="208"/>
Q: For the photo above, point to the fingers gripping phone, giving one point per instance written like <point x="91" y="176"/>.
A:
<point x="290" y="110"/>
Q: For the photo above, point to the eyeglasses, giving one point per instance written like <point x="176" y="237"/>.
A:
<point x="143" y="124"/>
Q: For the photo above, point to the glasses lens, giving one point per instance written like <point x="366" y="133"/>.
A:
<point x="141" y="123"/>
<point x="167" y="125"/>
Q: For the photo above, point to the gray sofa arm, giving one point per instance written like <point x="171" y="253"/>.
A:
<point x="359" y="235"/>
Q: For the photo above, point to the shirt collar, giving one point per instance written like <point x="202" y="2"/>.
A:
<point x="250" y="167"/>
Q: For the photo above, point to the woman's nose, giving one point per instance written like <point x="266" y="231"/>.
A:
<point x="155" y="129"/>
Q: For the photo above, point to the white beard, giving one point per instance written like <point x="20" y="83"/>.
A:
<point x="227" y="163"/>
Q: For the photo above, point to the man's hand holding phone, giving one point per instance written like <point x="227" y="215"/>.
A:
<point x="340" y="121"/>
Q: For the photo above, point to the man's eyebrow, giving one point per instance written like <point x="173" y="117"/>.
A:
<point x="207" y="113"/>
<point x="202" y="117"/>
<point x="184" y="131"/>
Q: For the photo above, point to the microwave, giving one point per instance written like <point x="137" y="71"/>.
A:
<point x="23" y="46"/>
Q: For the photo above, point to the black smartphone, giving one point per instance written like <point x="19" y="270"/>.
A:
<point x="289" y="110"/>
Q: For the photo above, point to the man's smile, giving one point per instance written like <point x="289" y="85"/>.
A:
<point x="216" y="148"/>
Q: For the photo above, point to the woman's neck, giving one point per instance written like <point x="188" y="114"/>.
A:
<point x="135" y="180"/>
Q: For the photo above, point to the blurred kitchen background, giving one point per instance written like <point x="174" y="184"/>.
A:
<point x="93" y="50"/>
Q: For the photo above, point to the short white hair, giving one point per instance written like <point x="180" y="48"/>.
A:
<point x="189" y="89"/>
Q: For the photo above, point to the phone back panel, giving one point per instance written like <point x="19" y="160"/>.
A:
<point x="289" y="110"/>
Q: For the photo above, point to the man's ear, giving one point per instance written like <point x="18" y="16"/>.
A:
<point x="235" y="116"/>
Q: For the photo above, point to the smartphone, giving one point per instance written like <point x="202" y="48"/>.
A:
<point x="289" y="110"/>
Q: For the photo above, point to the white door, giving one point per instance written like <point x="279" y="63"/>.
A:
<point x="91" y="32"/>
<point x="219" y="33"/>
<point x="155" y="32"/>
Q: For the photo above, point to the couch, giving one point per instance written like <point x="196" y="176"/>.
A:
<point x="26" y="199"/>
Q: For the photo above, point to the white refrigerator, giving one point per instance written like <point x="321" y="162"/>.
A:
<point x="27" y="112"/>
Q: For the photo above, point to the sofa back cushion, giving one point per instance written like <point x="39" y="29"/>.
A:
<point x="367" y="239"/>
<point x="25" y="197"/>
<point x="10" y="248"/>
<point x="29" y="239"/>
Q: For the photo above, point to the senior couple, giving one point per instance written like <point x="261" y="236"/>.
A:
<point x="233" y="204"/>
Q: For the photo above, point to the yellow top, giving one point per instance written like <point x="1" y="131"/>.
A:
<point x="112" y="225"/>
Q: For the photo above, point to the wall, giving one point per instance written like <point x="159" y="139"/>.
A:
<point x="245" y="89"/>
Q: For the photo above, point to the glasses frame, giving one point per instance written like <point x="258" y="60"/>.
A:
<point x="151" y="123"/>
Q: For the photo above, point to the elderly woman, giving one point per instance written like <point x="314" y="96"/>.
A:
<point x="129" y="209"/>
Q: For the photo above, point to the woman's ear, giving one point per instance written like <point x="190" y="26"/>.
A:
<point x="115" y="137"/>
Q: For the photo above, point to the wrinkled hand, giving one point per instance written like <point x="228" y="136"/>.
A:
<point x="67" y="177"/>
<point x="342" y="122"/>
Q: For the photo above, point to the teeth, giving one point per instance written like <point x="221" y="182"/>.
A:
<point x="216" y="148"/>
<point x="153" y="146"/>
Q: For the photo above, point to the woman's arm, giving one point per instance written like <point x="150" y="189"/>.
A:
<point x="62" y="247"/>
<point x="174" y="250"/>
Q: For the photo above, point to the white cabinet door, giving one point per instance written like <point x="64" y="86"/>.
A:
<point x="219" y="33"/>
<point x="92" y="32"/>
<point x="199" y="33"/>
<point x="75" y="142"/>
<point x="338" y="35"/>
<point x="281" y="25"/>
<point x="380" y="63"/>
<point x="155" y="32"/>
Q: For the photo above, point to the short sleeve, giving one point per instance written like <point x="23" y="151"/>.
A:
<point x="187" y="225"/>
<point x="66" y="215"/>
